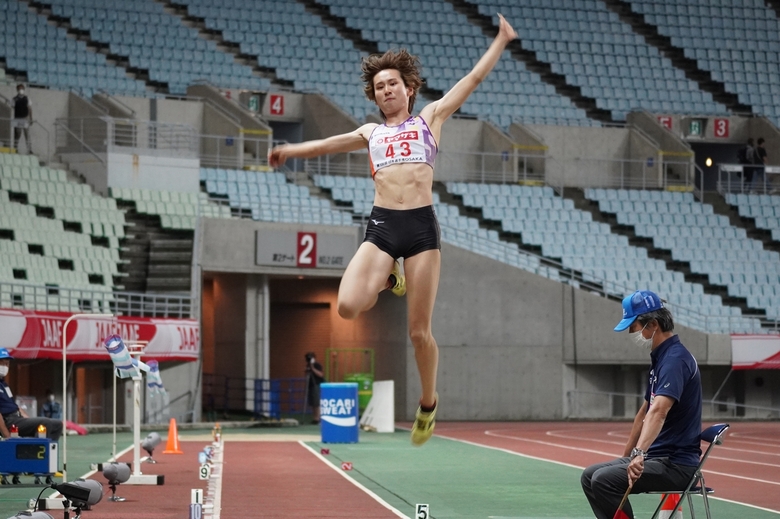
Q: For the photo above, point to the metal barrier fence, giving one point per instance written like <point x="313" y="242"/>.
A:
<point x="513" y="166"/>
<point x="234" y="152"/>
<point x="56" y="299"/>
<point x="280" y="397"/>
<point x="604" y="405"/>
<point x="223" y="396"/>
<point x="764" y="180"/>
<point x="103" y="134"/>
<point x="509" y="166"/>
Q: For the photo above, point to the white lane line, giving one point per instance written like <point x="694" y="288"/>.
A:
<point x="343" y="474"/>
<point x="507" y="451"/>
<point x="581" y="468"/>
<point x="555" y="434"/>
<point x="612" y="454"/>
<point x="766" y="441"/>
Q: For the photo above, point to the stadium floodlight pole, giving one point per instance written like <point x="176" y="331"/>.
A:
<point x="65" y="386"/>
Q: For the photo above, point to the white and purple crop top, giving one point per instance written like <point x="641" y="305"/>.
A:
<point x="411" y="141"/>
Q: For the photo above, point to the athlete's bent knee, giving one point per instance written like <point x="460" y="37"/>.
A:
<point x="347" y="311"/>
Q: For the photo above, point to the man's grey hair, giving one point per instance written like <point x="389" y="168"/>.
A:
<point x="662" y="316"/>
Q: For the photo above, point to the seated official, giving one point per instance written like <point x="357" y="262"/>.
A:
<point x="12" y="415"/>
<point x="663" y="448"/>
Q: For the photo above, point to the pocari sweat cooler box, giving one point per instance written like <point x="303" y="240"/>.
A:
<point x="339" y="412"/>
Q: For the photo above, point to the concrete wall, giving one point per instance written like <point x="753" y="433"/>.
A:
<point x="676" y="153"/>
<point x="531" y="342"/>
<point x="474" y="151"/>
<point x="530" y="150"/>
<point x="322" y="118"/>
<point x="216" y="123"/>
<point x="606" y="157"/>
<point x="512" y="344"/>
<point x="147" y="172"/>
<point x="92" y="168"/>
<point x="181" y="381"/>
<point x="229" y="246"/>
<point x="181" y="112"/>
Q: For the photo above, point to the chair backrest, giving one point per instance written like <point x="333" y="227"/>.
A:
<point x="714" y="436"/>
<point x="714" y="433"/>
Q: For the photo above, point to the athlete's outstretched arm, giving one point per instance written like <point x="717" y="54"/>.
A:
<point x="452" y="100"/>
<point x="305" y="150"/>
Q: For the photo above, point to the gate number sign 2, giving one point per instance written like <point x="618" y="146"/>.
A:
<point x="306" y="257"/>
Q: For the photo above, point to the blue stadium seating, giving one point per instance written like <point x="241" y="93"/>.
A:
<point x="596" y="51"/>
<point x="737" y="41"/>
<point x="449" y="46"/>
<point x="51" y="58"/>
<point x="268" y="197"/>
<point x="693" y="233"/>
<point x="136" y="28"/>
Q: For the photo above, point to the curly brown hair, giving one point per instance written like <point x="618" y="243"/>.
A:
<point x="405" y="63"/>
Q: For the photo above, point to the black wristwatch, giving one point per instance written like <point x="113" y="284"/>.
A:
<point x="638" y="452"/>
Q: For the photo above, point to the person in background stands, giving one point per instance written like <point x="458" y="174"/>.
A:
<point x="759" y="174"/>
<point x="314" y="377"/>
<point x="22" y="118"/>
<point x="51" y="408"/>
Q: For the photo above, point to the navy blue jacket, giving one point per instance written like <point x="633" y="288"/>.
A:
<point x="675" y="374"/>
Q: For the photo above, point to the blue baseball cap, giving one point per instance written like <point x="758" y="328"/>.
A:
<point x="638" y="303"/>
<point x="4" y="354"/>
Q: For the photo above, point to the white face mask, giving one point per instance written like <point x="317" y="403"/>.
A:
<point x="21" y="92"/>
<point x="51" y="398"/>
<point x="3" y="371"/>
<point x="639" y="340"/>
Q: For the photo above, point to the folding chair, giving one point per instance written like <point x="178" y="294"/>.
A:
<point x="714" y="436"/>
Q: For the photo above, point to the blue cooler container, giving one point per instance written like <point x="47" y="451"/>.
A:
<point x="339" y="412"/>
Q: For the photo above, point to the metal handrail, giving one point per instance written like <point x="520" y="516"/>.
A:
<point x="59" y="124"/>
<point x="117" y="101"/>
<point x="644" y="134"/>
<point x="729" y="185"/>
<point x="53" y="298"/>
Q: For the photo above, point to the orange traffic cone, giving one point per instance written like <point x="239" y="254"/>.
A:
<point x="672" y="509"/>
<point x="172" y="447"/>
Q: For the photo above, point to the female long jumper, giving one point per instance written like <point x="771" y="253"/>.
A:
<point x="402" y="223"/>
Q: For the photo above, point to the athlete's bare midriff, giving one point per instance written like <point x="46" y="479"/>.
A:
<point x="404" y="186"/>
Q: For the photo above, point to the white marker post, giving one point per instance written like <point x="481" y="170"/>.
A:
<point x="196" y="503"/>
<point x="137" y="478"/>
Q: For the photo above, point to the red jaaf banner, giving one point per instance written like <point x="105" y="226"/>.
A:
<point x="30" y="334"/>
<point x="755" y="352"/>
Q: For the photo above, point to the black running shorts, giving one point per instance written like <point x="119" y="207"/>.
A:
<point x="403" y="233"/>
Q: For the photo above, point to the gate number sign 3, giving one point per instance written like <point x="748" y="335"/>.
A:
<point x="306" y="256"/>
